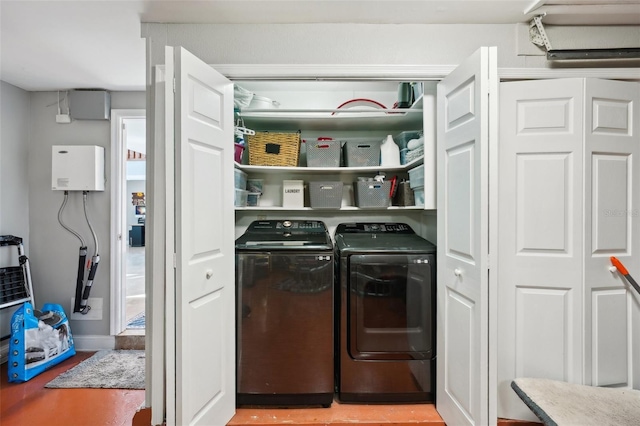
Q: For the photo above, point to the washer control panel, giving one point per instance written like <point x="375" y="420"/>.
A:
<point x="266" y="226"/>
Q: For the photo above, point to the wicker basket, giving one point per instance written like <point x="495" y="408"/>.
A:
<point x="274" y="149"/>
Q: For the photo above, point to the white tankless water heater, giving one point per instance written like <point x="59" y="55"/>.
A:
<point x="77" y="168"/>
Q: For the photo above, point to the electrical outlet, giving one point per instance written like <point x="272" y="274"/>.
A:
<point x="95" y="313"/>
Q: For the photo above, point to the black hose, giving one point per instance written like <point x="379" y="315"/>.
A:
<point x="80" y="279"/>
<point x="84" y="307"/>
<point x="81" y="259"/>
<point x="87" y="289"/>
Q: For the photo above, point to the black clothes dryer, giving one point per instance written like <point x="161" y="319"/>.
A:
<point x="385" y="332"/>
<point x="284" y="284"/>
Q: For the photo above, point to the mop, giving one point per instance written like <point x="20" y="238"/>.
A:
<point x="620" y="267"/>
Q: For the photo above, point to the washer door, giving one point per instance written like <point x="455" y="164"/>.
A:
<point x="391" y="306"/>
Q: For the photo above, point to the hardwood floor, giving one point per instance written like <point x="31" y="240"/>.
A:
<point x="341" y="415"/>
<point x="31" y="403"/>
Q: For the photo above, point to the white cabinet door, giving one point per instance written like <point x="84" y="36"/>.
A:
<point x="540" y="237"/>
<point x="464" y="132"/>
<point x="204" y="244"/>
<point x="612" y="228"/>
<point x="568" y="200"/>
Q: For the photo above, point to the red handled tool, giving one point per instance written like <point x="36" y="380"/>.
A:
<point x="394" y="186"/>
<point x="620" y="267"/>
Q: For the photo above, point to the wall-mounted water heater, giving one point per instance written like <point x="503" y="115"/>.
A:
<point x="77" y="168"/>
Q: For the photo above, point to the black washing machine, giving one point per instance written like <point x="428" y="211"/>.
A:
<point x="386" y="328"/>
<point x="284" y="284"/>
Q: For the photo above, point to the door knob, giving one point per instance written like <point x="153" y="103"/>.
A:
<point x="209" y="274"/>
<point x="457" y="272"/>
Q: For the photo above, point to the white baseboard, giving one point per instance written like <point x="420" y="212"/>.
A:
<point x="94" y="343"/>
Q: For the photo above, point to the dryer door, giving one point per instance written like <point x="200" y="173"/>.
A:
<point x="391" y="306"/>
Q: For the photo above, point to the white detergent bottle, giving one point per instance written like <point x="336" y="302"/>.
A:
<point x="389" y="153"/>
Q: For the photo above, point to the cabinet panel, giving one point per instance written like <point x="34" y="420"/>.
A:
<point x="545" y="333"/>
<point x="460" y="106"/>
<point x="610" y="337"/>
<point x="611" y="116"/>
<point x="545" y="210"/>
<point x="206" y="105"/>
<point x="460" y="199"/>
<point x="545" y="116"/>
<point x="610" y="199"/>
<point x="458" y="350"/>
<point x="208" y="162"/>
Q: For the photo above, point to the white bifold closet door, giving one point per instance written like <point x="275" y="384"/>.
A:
<point x="466" y="112"/>
<point x="198" y="290"/>
<point x="569" y="199"/>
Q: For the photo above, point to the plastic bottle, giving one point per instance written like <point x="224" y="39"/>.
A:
<point x="389" y="153"/>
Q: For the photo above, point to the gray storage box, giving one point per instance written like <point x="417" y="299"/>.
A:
<point x="362" y="153"/>
<point x="369" y="194"/>
<point x="325" y="195"/>
<point x="323" y="153"/>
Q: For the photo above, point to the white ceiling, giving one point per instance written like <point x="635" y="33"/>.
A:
<point x="58" y="45"/>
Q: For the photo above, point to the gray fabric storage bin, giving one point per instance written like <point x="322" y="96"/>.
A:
<point x="362" y="153"/>
<point x="325" y="195"/>
<point x="323" y="153"/>
<point x="370" y="194"/>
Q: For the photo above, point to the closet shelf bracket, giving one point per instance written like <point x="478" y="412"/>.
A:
<point x="537" y="34"/>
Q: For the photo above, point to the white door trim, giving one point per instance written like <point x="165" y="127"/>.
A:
<point x="119" y="237"/>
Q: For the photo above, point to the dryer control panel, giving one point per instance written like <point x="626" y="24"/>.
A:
<point x="374" y="228"/>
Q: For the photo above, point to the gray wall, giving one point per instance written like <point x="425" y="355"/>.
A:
<point x="53" y="250"/>
<point x="14" y="186"/>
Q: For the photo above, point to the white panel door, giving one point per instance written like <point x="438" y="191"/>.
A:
<point x="612" y="228"/>
<point x="463" y="394"/>
<point x="204" y="244"/>
<point x="540" y="236"/>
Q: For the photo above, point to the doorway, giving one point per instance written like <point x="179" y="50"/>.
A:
<point x="128" y="221"/>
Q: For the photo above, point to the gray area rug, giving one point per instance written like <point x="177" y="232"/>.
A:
<point x="118" y="369"/>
